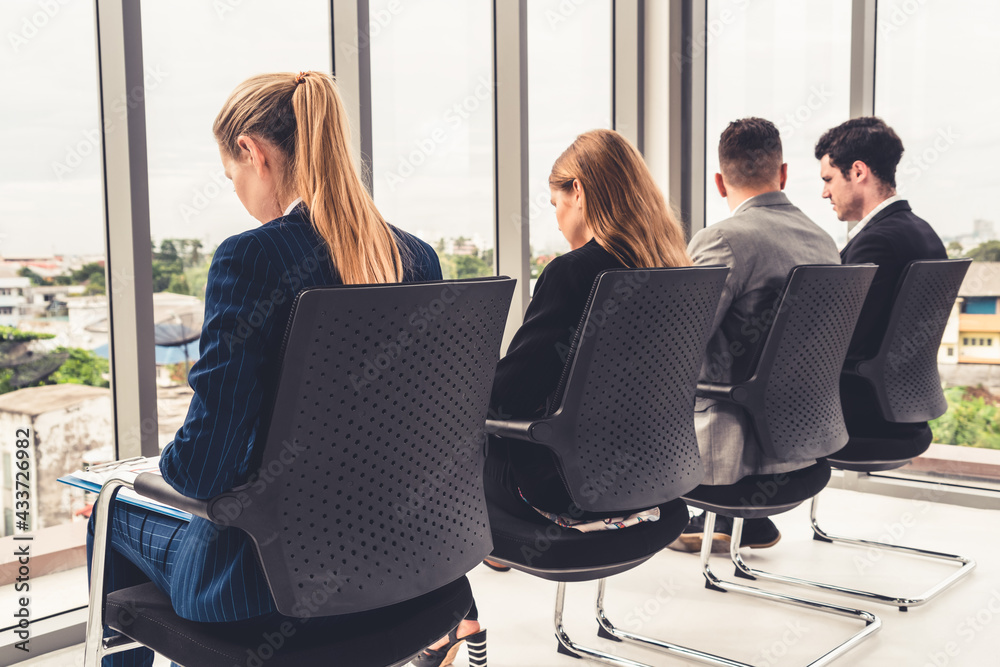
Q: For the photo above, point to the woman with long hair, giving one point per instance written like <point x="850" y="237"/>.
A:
<point x="284" y="140"/>
<point x="613" y="216"/>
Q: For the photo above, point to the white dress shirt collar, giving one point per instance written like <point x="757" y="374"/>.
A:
<point x="741" y="205"/>
<point x="291" y="207"/>
<point x="854" y="231"/>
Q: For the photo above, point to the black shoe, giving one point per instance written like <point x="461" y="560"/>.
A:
<point x="757" y="534"/>
<point x="445" y="655"/>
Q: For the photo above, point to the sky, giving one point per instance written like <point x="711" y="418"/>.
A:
<point x="786" y="60"/>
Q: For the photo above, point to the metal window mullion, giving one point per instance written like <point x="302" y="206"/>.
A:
<point x="687" y="29"/>
<point x="128" y="269"/>
<point x="352" y="66"/>
<point x="863" y="29"/>
<point x="510" y="132"/>
<point x="627" y="83"/>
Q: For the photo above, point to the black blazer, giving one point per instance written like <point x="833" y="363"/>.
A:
<point x="529" y="374"/>
<point x="892" y="239"/>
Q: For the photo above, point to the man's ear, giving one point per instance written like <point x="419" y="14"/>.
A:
<point x="720" y="185"/>
<point x="250" y="149"/>
<point x="859" y="171"/>
<point x="784" y="176"/>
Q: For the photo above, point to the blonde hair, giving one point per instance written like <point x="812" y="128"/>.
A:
<point x="623" y="207"/>
<point x="303" y="116"/>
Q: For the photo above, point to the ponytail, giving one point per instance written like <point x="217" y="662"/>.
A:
<point x="303" y="116"/>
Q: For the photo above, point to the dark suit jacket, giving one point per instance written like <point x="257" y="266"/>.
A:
<point x="528" y="376"/>
<point x="529" y="373"/>
<point x="253" y="279"/>
<point x="892" y="239"/>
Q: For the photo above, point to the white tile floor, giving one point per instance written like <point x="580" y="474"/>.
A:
<point x="666" y="598"/>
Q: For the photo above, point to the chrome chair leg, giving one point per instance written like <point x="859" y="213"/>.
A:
<point x="97" y="646"/>
<point x="582" y="651"/>
<point x="966" y="565"/>
<point x="872" y="622"/>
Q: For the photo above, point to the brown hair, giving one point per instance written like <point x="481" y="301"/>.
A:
<point x="750" y="153"/>
<point x="623" y="207"/>
<point x="303" y="116"/>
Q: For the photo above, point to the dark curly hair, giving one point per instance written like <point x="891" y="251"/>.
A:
<point x="867" y="139"/>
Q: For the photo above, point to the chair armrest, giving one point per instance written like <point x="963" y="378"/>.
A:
<point x="730" y="393"/>
<point x="858" y="367"/>
<point x="153" y="486"/>
<point x="520" y="429"/>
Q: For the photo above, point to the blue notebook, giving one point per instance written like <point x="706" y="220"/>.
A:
<point x="93" y="479"/>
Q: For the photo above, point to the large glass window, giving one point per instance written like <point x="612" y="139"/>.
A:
<point x="55" y="404"/>
<point x="789" y="62"/>
<point x="569" y="92"/>
<point x="432" y="133"/>
<point x="932" y="85"/>
<point x="195" y="53"/>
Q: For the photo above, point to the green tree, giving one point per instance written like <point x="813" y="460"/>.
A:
<point x="986" y="252"/>
<point x="86" y="272"/>
<point x="82" y="367"/>
<point x="972" y="419"/>
<point x="470" y="266"/>
<point x="178" y="284"/>
<point x="955" y="250"/>
<point x="35" y="279"/>
<point x="95" y="285"/>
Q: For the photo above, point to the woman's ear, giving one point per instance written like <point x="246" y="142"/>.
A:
<point x="578" y="195"/>
<point x="251" y="149"/>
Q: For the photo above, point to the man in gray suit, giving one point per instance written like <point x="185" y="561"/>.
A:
<point x="765" y="237"/>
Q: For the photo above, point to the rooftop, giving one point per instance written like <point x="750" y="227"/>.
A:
<point x="983" y="279"/>
<point x="34" y="401"/>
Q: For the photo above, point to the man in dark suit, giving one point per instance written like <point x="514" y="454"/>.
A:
<point x="858" y="161"/>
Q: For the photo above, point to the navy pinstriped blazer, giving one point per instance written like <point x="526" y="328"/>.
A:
<point x="252" y="282"/>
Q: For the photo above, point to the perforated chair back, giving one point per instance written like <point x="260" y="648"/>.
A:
<point x="793" y="396"/>
<point x="370" y="488"/>
<point x="623" y="428"/>
<point x="904" y="373"/>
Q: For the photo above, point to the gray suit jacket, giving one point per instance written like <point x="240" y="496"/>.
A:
<point x="760" y="244"/>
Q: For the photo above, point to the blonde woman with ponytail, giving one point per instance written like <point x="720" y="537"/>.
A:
<point x="284" y="140"/>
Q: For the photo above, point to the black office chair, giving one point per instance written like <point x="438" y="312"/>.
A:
<point x="903" y="377"/>
<point x="793" y="403"/>
<point x="382" y="513"/>
<point x="623" y="431"/>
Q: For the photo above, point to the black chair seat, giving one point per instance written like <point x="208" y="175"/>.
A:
<point x="885" y="451"/>
<point x="549" y="551"/>
<point x="757" y="496"/>
<point x="379" y="638"/>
